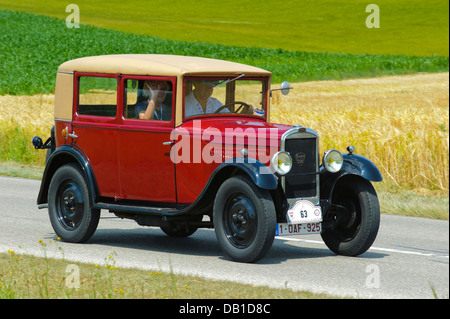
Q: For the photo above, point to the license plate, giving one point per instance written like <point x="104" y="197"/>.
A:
<point x="285" y="229"/>
<point x="304" y="211"/>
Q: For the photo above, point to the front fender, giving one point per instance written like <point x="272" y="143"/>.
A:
<point x="61" y="156"/>
<point x="362" y="166"/>
<point x="353" y="165"/>
<point x="259" y="173"/>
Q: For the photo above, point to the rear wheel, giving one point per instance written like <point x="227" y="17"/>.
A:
<point x="244" y="219"/>
<point x="353" y="220"/>
<point x="71" y="214"/>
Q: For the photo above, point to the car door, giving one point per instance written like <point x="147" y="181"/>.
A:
<point x="146" y="171"/>
<point x="95" y="125"/>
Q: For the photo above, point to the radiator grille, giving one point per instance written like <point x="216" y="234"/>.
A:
<point x="301" y="181"/>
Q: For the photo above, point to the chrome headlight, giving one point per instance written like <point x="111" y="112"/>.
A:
<point x="281" y="162"/>
<point x="332" y="161"/>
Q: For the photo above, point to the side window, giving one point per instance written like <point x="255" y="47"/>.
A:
<point x="148" y="99"/>
<point x="97" y="96"/>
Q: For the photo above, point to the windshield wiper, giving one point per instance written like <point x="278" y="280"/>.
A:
<point x="229" y="80"/>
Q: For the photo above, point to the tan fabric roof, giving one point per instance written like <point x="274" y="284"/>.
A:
<point x="156" y="64"/>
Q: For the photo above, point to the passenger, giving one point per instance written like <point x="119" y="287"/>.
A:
<point x="153" y="108"/>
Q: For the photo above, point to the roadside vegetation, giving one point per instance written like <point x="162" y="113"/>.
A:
<point x="50" y="276"/>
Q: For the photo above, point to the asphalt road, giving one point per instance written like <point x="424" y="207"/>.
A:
<point x="409" y="259"/>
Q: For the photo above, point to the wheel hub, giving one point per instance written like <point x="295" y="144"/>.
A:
<point x="70" y="202"/>
<point x="71" y="207"/>
<point x="241" y="223"/>
<point x="240" y="218"/>
<point x="347" y="218"/>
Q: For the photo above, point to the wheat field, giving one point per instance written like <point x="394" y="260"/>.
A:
<point x="401" y="123"/>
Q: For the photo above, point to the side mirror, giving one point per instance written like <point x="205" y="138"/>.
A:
<point x="285" y="88"/>
<point x="37" y="142"/>
<point x="39" y="145"/>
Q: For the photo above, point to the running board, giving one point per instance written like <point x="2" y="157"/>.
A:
<point x="168" y="211"/>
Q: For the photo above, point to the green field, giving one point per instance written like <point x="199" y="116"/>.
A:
<point x="33" y="46"/>
<point x="407" y="27"/>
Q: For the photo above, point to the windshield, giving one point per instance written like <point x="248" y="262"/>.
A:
<point x="232" y="95"/>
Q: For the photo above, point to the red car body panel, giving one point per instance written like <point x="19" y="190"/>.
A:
<point x="222" y="138"/>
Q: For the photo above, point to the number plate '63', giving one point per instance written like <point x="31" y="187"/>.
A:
<point x="304" y="211"/>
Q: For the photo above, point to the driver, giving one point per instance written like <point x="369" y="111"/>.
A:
<point x="200" y="102"/>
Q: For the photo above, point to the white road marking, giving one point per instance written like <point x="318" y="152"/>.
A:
<point x="407" y="252"/>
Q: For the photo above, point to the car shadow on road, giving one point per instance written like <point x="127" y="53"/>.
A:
<point x="285" y="250"/>
<point x="204" y="243"/>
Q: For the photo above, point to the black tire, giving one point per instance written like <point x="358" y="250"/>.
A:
<point x="244" y="219"/>
<point x="354" y="217"/>
<point x="47" y="155"/>
<point x="70" y="210"/>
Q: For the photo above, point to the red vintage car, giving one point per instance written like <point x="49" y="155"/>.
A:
<point x="183" y="142"/>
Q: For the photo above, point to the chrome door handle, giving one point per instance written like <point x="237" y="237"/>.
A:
<point x="167" y="143"/>
<point x="73" y="135"/>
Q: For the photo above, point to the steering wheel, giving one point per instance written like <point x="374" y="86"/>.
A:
<point x="242" y="104"/>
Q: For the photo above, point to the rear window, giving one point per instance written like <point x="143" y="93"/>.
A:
<point x="149" y="99"/>
<point x="97" y="96"/>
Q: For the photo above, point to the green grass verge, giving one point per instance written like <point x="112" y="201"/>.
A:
<point x="412" y="202"/>
<point x="32" y="47"/>
<point x="409" y="27"/>
<point x="24" y="276"/>
<point x="15" y="169"/>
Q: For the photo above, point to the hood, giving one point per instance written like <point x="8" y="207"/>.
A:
<point x="233" y="130"/>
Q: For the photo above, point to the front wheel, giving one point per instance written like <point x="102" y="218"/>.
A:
<point x="244" y="219"/>
<point x="353" y="220"/>
<point x="72" y="217"/>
